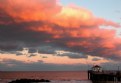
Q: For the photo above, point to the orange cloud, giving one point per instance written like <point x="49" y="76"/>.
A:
<point x="50" y="11"/>
<point x="32" y="10"/>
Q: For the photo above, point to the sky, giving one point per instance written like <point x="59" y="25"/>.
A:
<point x="59" y="35"/>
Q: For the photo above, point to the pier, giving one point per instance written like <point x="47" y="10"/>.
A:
<point x="97" y="75"/>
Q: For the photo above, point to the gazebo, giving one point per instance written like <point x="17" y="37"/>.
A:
<point x="97" y="68"/>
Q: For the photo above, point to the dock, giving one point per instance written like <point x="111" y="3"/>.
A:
<point x="97" y="75"/>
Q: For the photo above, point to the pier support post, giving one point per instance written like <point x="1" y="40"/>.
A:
<point x="88" y="75"/>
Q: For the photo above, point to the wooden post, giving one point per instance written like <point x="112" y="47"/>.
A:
<point x="88" y="75"/>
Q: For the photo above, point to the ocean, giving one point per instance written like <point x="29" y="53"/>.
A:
<point x="54" y="76"/>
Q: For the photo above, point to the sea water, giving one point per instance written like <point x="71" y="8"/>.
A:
<point x="54" y="76"/>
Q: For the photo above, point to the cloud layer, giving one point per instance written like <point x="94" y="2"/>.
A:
<point x="41" y="24"/>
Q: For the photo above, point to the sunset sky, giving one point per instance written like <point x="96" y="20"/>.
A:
<point x="59" y="35"/>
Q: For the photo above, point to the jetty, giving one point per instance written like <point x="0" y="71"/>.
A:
<point x="97" y="75"/>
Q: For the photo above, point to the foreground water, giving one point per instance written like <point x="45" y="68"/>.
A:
<point x="54" y="76"/>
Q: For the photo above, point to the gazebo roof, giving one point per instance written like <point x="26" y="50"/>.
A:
<point x="96" y="66"/>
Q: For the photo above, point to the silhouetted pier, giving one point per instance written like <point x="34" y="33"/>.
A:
<point x="96" y="75"/>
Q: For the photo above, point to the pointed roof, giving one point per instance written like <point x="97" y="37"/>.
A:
<point x="96" y="66"/>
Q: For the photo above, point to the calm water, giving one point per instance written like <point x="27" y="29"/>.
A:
<point x="55" y="77"/>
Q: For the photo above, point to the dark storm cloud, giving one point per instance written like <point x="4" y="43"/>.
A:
<point x="21" y="32"/>
<point x="32" y="50"/>
<point x="17" y="35"/>
<point x="5" y="18"/>
<point x="96" y="59"/>
<point x="48" y="49"/>
<point x="11" y="46"/>
<point x="73" y="55"/>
